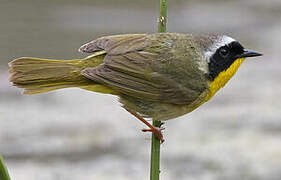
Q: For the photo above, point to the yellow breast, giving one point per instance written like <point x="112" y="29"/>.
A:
<point x="223" y="77"/>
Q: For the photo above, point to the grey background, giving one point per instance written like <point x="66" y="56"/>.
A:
<point x="76" y="134"/>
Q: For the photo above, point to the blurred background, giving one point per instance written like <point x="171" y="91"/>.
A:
<point x="76" y="134"/>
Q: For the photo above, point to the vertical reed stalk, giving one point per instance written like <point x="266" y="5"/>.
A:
<point x="155" y="143"/>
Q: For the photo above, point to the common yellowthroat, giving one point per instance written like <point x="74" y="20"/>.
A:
<point x="159" y="76"/>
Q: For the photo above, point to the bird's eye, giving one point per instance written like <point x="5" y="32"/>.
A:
<point x="224" y="52"/>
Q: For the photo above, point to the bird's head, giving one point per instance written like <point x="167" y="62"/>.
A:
<point x="221" y="52"/>
<point x="224" y="55"/>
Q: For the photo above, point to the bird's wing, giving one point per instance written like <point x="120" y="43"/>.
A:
<point x="132" y="70"/>
<point x="116" y="44"/>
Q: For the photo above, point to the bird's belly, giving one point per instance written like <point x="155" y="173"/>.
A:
<point x="160" y="111"/>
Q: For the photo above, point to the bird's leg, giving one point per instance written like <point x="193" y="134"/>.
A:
<point x="157" y="131"/>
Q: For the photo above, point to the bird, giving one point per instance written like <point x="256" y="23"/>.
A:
<point x="158" y="76"/>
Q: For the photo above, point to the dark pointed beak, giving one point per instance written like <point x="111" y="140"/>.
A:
<point x="249" y="53"/>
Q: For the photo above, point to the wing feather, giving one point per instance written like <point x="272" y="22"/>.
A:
<point x="124" y="83"/>
<point x="117" y="44"/>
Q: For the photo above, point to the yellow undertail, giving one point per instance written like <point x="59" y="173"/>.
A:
<point x="37" y="75"/>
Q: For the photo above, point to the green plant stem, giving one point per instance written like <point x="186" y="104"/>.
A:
<point x="4" y="175"/>
<point x="155" y="155"/>
<point x="155" y="143"/>
<point x="162" y="21"/>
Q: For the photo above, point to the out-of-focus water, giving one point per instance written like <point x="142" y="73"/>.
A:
<point x="75" y="134"/>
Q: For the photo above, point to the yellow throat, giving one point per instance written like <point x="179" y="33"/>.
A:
<point x="223" y="78"/>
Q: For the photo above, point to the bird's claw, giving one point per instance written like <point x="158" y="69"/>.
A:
<point x="157" y="132"/>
